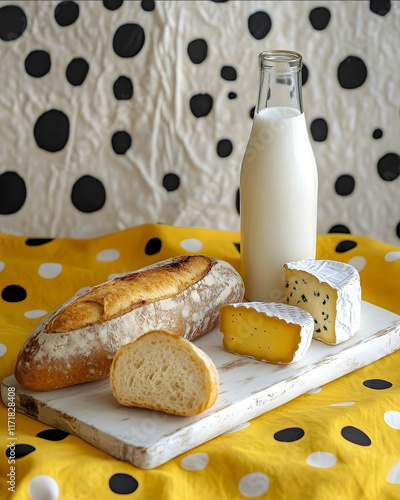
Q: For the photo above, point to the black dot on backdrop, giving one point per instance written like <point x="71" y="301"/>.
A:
<point x="13" y="293"/>
<point x="237" y="246"/>
<point x="148" y="5"/>
<point x="123" y="484"/>
<point x="51" y="130"/>
<point x="289" y="435"/>
<point x="259" y="24"/>
<point x="237" y="201"/>
<point x="352" y="72"/>
<point x="377" y="384"/>
<point x="389" y="166"/>
<point x="66" y="13"/>
<point x="355" y="436"/>
<point x="319" y="18"/>
<point x="201" y="104"/>
<point x="12" y="193"/>
<point x="13" y="22"/>
<point x="252" y="111"/>
<point x="121" y="141"/>
<point x="345" y="184"/>
<point x="319" y="129"/>
<point x="228" y="73"/>
<point x="380" y="7"/>
<point x="398" y="230"/>
<point x="232" y="95"/>
<point x="21" y="450"/>
<point x="197" y="50"/>
<point x="88" y="194"/>
<point x="219" y="1"/>
<point x="77" y="71"/>
<point x="339" y="228"/>
<point x="37" y="63"/>
<point x="36" y="242"/>
<point x="52" y="434"/>
<point x="345" y="246"/>
<point x="153" y="246"/>
<point x="224" y="148"/>
<point x="112" y="4"/>
<point x="377" y="133"/>
<point x="171" y="182"/>
<point x="304" y="74"/>
<point x="123" y="88"/>
<point x="128" y="40"/>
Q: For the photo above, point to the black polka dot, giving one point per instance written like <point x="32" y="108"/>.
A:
<point x="66" y="13"/>
<point x="121" y="141"/>
<point x="259" y="24"/>
<point x="252" y="112"/>
<point x="304" y="74"/>
<point x="228" y="73"/>
<point x="35" y="242"/>
<point x="153" y="246"/>
<point x="148" y="5"/>
<point x="51" y="130"/>
<point x="339" y="228"/>
<point x="37" y="63"/>
<point x="319" y="129"/>
<point x="13" y="22"/>
<point x="171" y="182"/>
<point x="319" y="18"/>
<point x="352" y="72"/>
<point x="219" y="1"/>
<point x="13" y="293"/>
<point x="21" y="450"/>
<point x="123" y="88"/>
<point x="237" y="246"/>
<point x="112" y="4"/>
<point x="344" y="185"/>
<point x="377" y="384"/>
<point x="88" y="194"/>
<point x="77" y="71"/>
<point x="289" y="435"/>
<point x="201" y="105"/>
<point x="380" y="7"/>
<point x="12" y="193"/>
<point x="224" y="148"/>
<point x="398" y="230"/>
<point x="345" y="246"/>
<point x="123" y="484"/>
<point x="237" y="201"/>
<point x="197" y="50"/>
<point x="377" y="133"/>
<point x="355" y="436"/>
<point x="389" y="166"/>
<point x="232" y="95"/>
<point x="52" y="434"/>
<point x="128" y="40"/>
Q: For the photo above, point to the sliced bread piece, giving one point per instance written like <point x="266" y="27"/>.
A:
<point x="161" y="371"/>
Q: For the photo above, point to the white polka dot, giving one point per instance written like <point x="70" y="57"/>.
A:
<point x="346" y="403"/>
<point x="238" y="428"/>
<point x="314" y="391"/>
<point x="108" y="255"/>
<point x="43" y="487"/>
<point x="394" y="474"/>
<point x="84" y="289"/>
<point x="50" y="270"/>
<point x="321" y="459"/>
<point x="358" y="262"/>
<point x="1" y="266"/>
<point x="191" y="245"/>
<point x="36" y="313"/>
<point x="197" y="461"/>
<point x="3" y="349"/>
<point x="254" y="484"/>
<point x="392" y="418"/>
<point x="391" y="256"/>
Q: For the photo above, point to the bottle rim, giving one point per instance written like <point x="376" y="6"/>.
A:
<point x="280" y="61"/>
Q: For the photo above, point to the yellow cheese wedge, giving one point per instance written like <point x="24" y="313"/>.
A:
<point x="272" y="332"/>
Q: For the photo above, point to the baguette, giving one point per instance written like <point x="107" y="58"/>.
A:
<point x="77" y="342"/>
<point x="163" y="372"/>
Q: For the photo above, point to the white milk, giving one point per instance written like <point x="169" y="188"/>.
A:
<point x="278" y="198"/>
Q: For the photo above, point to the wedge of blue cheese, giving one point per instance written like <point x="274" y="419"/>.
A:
<point x="330" y="291"/>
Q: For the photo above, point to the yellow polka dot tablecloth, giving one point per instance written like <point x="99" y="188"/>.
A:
<point x="339" y="441"/>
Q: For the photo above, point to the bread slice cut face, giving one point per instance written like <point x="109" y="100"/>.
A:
<point x="161" y="371"/>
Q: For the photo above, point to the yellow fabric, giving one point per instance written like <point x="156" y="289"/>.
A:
<point x="249" y="462"/>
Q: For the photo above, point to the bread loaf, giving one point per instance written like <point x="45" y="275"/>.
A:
<point x="77" y="342"/>
<point x="161" y="371"/>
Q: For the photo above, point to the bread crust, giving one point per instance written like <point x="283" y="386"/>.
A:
<point x="50" y="361"/>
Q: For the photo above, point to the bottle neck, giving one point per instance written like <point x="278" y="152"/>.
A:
<point x="280" y="80"/>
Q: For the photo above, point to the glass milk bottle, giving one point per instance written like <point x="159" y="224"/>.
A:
<point x="278" y="181"/>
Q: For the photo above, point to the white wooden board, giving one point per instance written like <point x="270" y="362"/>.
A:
<point x="248" y="388"/>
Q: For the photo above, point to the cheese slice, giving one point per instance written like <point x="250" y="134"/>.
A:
<point x="272" y="332"/>
<point x="331" y="292"/>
